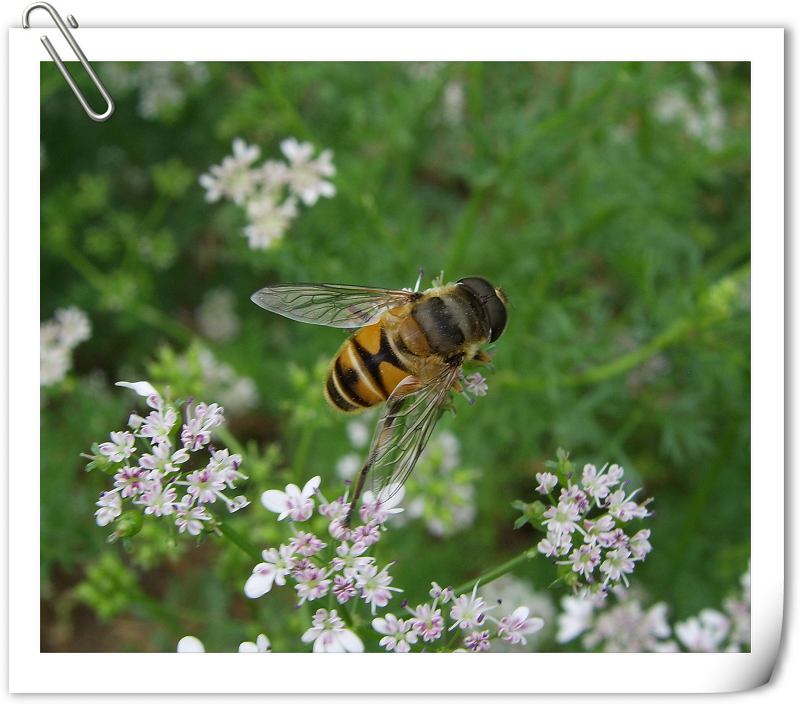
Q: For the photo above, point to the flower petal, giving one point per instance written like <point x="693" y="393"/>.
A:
<point x="274" y="500"/>
<point x="143" y="388"/>
<point x="190" y="644"/>
<point x="311" y="486"/>
<point x="257" y="585"/>
<point x="248" y="647"/>
<point x="350" y="642"/>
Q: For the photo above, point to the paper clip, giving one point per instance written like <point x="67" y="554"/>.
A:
<point x="96" y="116"/>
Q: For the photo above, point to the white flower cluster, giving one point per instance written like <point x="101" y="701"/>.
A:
<point x="58" y="337"/>
<point x="713" y="631"/>
<point x="706" y="122"/>
<point x="269" y="192"/>
<point x="586" y="527"/>
<point x="469" y="613"/>
<point x="626" y="627"/>
<point x="316" y="567"/>
<point x="151" y="476"/>
<point x="163" y="86"/>
<point x="629" y="626"/>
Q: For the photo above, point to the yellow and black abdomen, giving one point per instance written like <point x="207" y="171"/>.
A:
<point x="366" y="370"/>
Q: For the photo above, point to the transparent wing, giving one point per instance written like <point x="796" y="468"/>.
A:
<point x="338" y="306"/>
<point x="404" y="429"/>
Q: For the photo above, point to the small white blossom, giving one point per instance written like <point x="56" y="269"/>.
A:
<point x="233" y="178"/>
<point x="277" y="564"/>
<point x="704" y="633"/>
<point x="110" y="509"/>
<point x="476" y="385"/>
<point x="190" y="518"/>
<point x="546" y="481"/>
<point x="74" y="326"/>
<point x="515" y="627"/>
<point x="469" y="611"/>
<point x="329" y="635"/>
<point x="374" y="585"/>
<point x="294" y="503"/>
<point x="306" y="177"/>
<point x="427" y="622"/>
<point x="398" y="636"/>
<point x="269" y="220"/>
<point x="575" y="618"/>
<point x="58" y="338"/>
<point x="120" y="447"/>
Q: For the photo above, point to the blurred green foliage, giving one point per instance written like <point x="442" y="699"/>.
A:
<point x="618" y="225"/>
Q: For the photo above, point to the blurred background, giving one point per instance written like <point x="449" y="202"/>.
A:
<point x="609" y="200"/>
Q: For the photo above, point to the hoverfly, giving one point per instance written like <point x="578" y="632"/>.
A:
<point x="408" y="353"/>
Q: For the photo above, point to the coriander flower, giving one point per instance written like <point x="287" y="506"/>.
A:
<point x="398" y="636"/>
<point x="427" y="622"/>
<point x="476" y="385"/>
<point x="515" y="627"/>
<point x="469" y="611"/>
<point x="233" y="178"/>
<point x="586" y="525"/>
<point x="110" y="509"/>
<point x="374" y="585"/>
<point x="312" y="583"/>
<point x="477" y="641"/>
<point x="575" y="618"/>
<point x="147" y="466"/>
<point x="329" y="635"/>
<point x="276" y="566"/>
<point x="58" y="338"/>
<point x="294" y="503"/>
<point x="269" y="220"/>
<point x="306" y="177"/>
<point x="201" y="419"/>
<point x="546" y="482"/>
<point x="704" y="633"/>
<point x="190" y="518"/>
<point x="120" y="447"/>
<point x="74" y="326"/>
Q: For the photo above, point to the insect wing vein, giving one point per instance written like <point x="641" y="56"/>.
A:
<point x="410" y="426"/>
<point x="338" y="306"/>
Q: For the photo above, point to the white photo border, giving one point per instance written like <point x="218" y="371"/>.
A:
<point x="32" y="671"/>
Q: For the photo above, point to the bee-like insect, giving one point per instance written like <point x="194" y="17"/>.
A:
<point x="408" y="353"/>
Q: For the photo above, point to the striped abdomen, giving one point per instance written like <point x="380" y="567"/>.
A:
<point x="441" y="325"/>
<point x="365" y="371"/>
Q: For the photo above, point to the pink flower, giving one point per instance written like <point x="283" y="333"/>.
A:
<point x="329" y="635"/>
<point x="517" y="625"/>
<point x="398" y="636"/>
<point x="277" y="564"/>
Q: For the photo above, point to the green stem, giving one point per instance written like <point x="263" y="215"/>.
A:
<point x="239" y="541"/>
<point x="498" y="571"/>
<point x="303" y="446"/>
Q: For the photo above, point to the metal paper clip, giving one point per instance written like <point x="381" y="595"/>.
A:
<point x="96" y="116"/>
